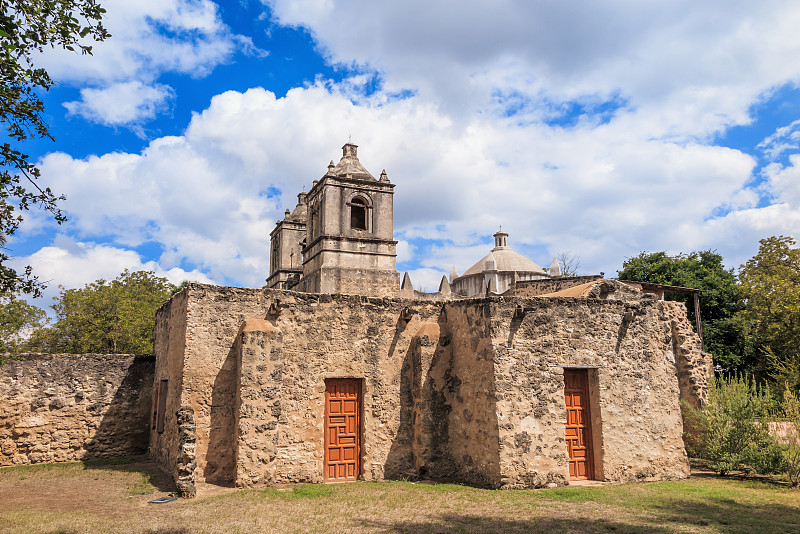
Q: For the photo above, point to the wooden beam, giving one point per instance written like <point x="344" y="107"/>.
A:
<point x="697" y="319"/>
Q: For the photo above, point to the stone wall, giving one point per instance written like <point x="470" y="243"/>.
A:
<point x="457" y="390"/>
<point x="628" y="352"/>
<point x="257" y="382"/>
<point x="469" y="391"/>
<point x="170" y="344"/>
<point x="695" y="367"/>
<point x="67" y="407"/>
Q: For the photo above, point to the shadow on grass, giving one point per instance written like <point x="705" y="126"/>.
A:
<point x="733" y="509"/>
<point x="714" y="515"/>
<point x="701" y="469"/>
<point x="472" y="524"/>
<point x="743" y="477"/>
<point x="135" y="464"/>
<point x="732" y="517"/>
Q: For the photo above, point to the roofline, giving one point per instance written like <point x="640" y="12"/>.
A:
<point x="662" y="287"/>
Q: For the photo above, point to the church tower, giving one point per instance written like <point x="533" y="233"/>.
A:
<point x="349" y="243"/>
<point x="285" y="254"/>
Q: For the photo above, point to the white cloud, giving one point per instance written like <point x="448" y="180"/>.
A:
<point x="687" y="68"/>
<point x="121" y="103"/>
<point x="149" y="37"/>
<point x="603" y="192"/>
<point x="786" y="138"/>
<point x="783" y="182"/>
<point x="73" y="264"/>
<point x="405" y="251"/>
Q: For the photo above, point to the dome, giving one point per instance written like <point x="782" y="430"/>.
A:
<point x="505" y="259"/>
<point x="349" y="166"/>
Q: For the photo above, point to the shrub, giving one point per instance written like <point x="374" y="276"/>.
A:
<point x="791" y="410"/>
<point x="729" y="430"/>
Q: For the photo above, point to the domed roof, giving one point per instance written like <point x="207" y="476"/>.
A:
<point x="505" y="259"/>
<point x="349" y="166"/>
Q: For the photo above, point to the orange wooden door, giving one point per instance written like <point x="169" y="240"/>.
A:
<point x="579" y="430"/>
<point x="342" y="429"/>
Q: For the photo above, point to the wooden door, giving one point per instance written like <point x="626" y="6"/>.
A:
<point x="579" y="429"/>
<point x="342" y="429"/>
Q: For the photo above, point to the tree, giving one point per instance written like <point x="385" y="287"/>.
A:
<point x="114" y="317"/>
<point x="770" y="282"/>
<point x="17" y="320"/>
<point x="568" y="263"/>
<point x="26" y="29"/>
<point x="720" y="300"/>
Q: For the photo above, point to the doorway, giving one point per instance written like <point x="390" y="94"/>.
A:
<point x="579" y="427"/>
<point x="342" y="429"/>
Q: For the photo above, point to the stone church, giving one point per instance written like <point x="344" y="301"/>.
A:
<point x="507" y="377"/>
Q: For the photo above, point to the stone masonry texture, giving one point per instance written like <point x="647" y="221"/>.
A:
<point x="468" y="390"/>
<point x="66" y="407"/>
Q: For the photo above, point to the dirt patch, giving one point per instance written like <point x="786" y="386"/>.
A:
<point x="102" y="486"/>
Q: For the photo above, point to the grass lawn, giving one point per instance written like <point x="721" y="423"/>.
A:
<point x="113" y="496"/>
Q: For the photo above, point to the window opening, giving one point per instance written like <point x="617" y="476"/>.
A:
<point x="161" y="397"/>
<point x="358" y="214"/>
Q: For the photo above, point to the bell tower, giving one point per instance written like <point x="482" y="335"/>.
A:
<point x="349" y="245"/>
<point x="285" y="253"/>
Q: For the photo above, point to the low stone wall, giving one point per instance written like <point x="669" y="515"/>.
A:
<point x="69" y="407"/>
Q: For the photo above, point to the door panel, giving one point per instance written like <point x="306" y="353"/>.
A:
<point x="578" y="428"/>
<point x="342" y="429"/>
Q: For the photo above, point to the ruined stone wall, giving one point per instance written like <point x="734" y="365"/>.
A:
<point x="695" y="367"/>
<point x="462" y="390"/>
<point x="169" y="345"/>
<point x="470" y="391"/>
<point x="533" y="288"/>
<point x="277" y="423"/>
<point x="419" y="403"/>
<point x="633" y="383"/>
<point x="284" y="364"/>
<point x="209" y="375"/>
<point x="68" y="407"/>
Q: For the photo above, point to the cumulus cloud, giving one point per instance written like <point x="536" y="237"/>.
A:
<point x="468" y="126"/>
<point x="73" y="264"/>
<point x="687" y="68"/>
<point x="149" y="37"/>
<point x="211" y="196"/>
<point x="121" y="103"/>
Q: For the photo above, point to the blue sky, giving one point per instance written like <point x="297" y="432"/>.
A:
<point x="600" y="130"/>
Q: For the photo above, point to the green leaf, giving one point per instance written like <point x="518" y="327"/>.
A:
<point x="29" y="27"/>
